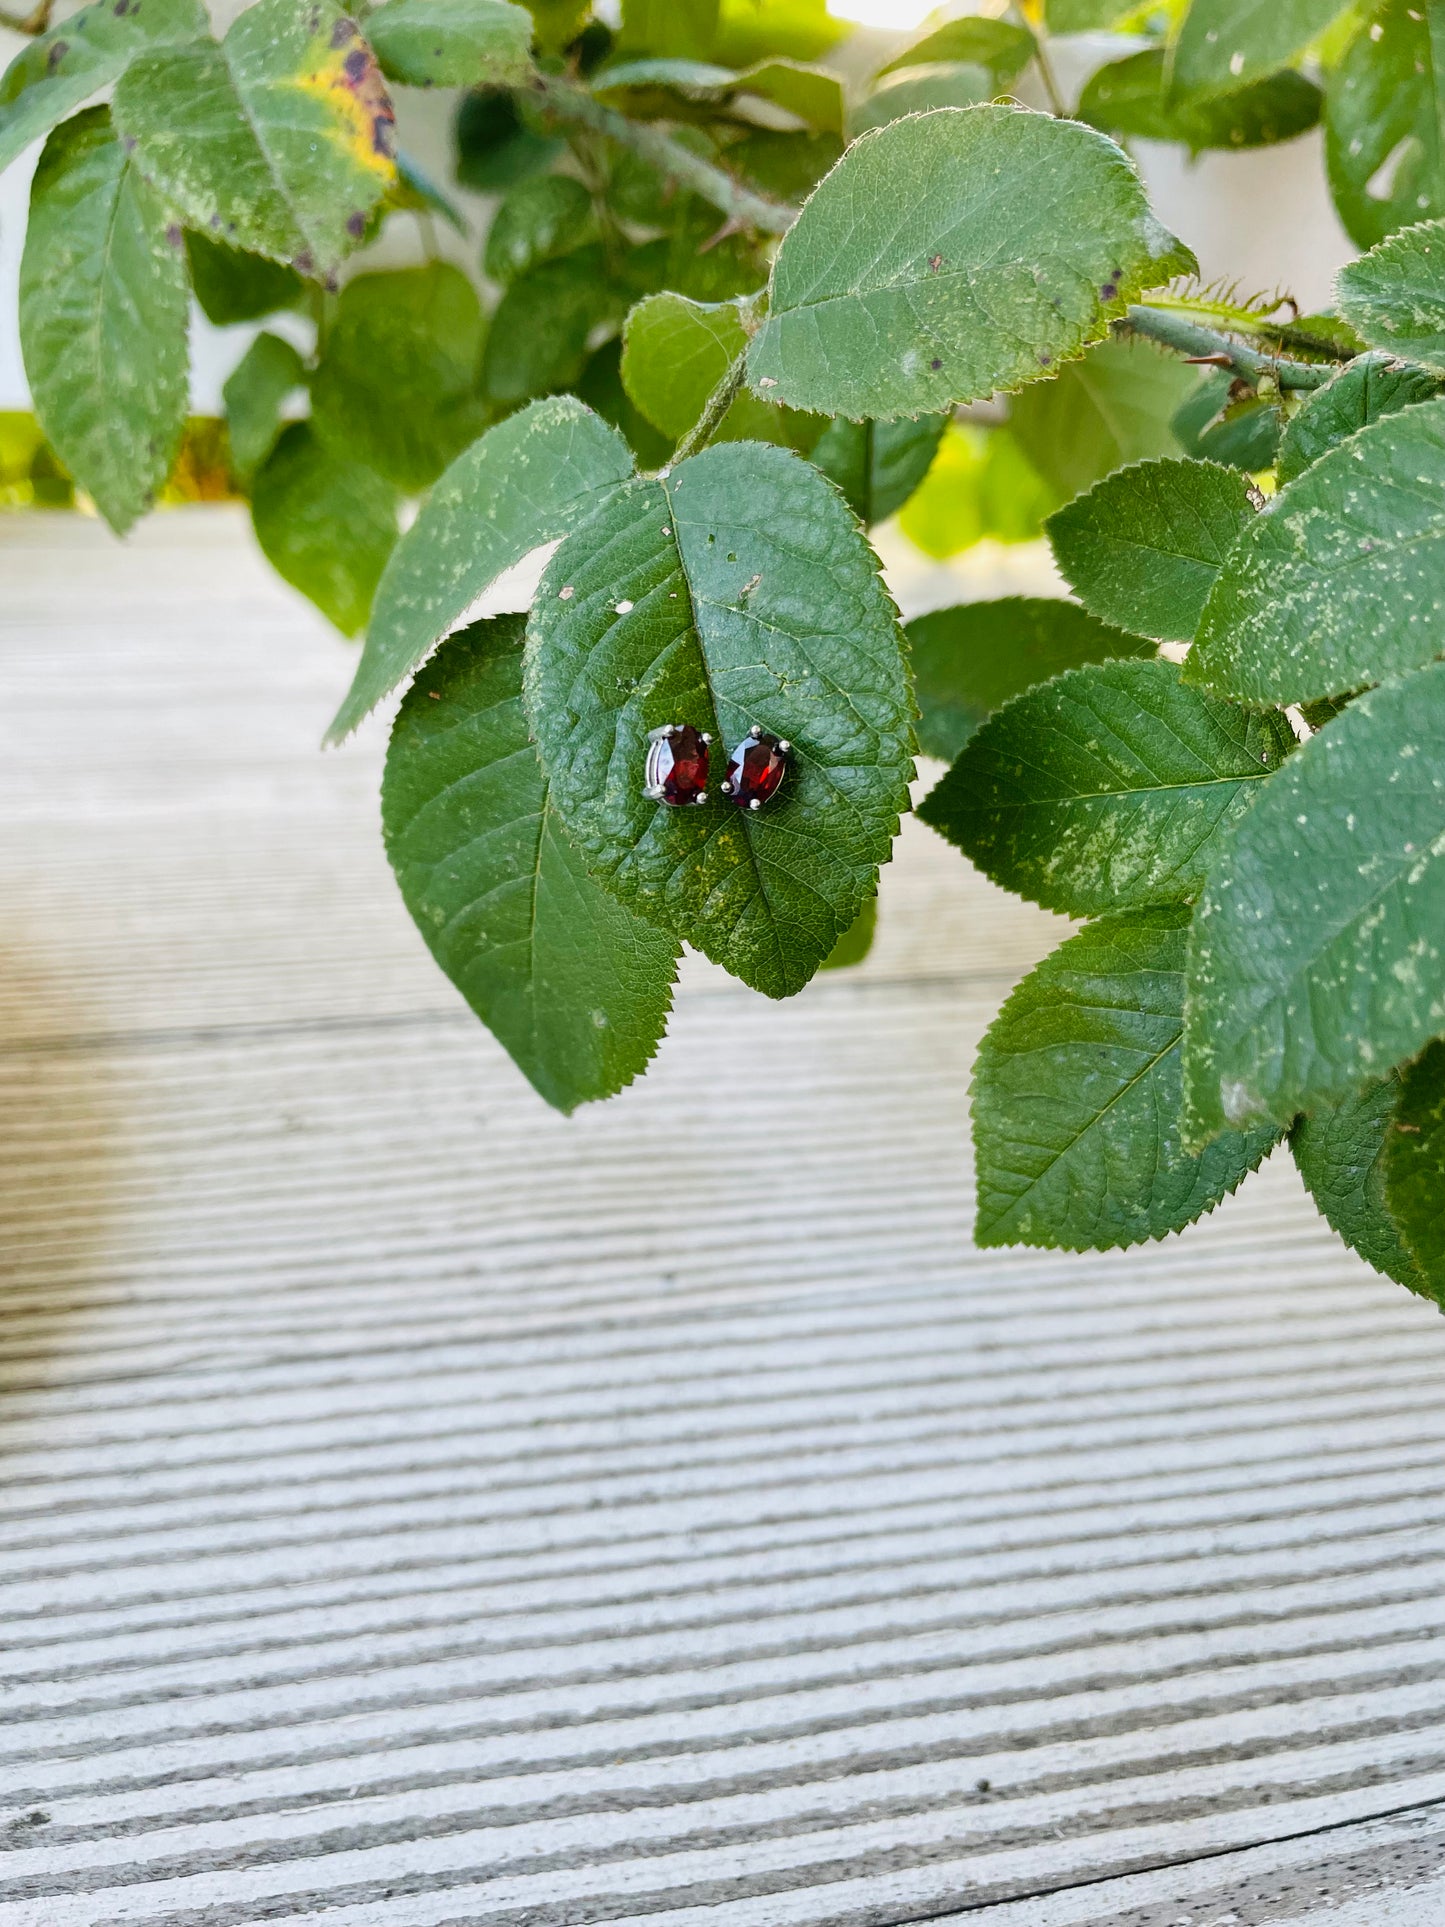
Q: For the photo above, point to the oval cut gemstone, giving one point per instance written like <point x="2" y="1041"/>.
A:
<point x="677" y="765"/>
<point x="755" y="769"/>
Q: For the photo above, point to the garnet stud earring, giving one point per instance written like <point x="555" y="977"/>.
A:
<point x="755" y="769"/>
<point x="677" y="765"/>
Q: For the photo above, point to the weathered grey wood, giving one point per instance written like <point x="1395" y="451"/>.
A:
<point x="421" y="1509"/>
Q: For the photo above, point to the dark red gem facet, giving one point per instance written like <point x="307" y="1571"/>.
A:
<point x="755" y="769"/>
<point x="677" y="765"/>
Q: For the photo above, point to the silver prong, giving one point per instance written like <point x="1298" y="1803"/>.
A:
<point x="756" y="804"/>
<point x="656" y="735"/>
<point x="701" y="797"/>
<point x="784" y="748"/>
<point x="756" y="730"/>
<point x="707" y="736"/>
<point x="652" y="793"/>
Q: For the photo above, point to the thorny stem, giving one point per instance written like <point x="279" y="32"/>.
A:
<point x="718" y="403"/>
<point x="36" y="21"/>
<point x="670" y="157"/>
<point x="1186" y="337"/>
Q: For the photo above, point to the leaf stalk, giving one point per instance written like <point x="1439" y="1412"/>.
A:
<point x="715" y="185"/>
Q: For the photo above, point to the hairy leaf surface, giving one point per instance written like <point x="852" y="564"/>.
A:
<point x="1076" y="1098"/>
<point x="1340" y="1151"/>
<point x="1143" y="547"/>
<point x="1369" y="387"/>
<point x="1414" y="1155"/>
<point x="1342" y="581"/>
<point x="970" y="660"/>
<point x="278" y="140"/>
<point x="736" y="591"/>
<point x="266" y="374"/>
<point x="60" y="69"/>
<point x="103" y="315"/>
<point x="575" y="987"/>
<point x="452" y="43"/>
<point x="1394" y="296"/>
<point x="932" y="236"/>
<point x="1316" y="961"/>
<point x="522" y="484"/>
<point x="325" y="524"/>
<point x="397" y="385"/>
<point x="1223" y="44"/>
<point x="1108" y="788"/>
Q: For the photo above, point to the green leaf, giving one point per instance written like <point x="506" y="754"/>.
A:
<point x="524" y="483"/>
<point x="1317" y="949"/>
<point x="497" y="148"/>
<point x="1224" y="44"/>
<point x="231" y="286"/>
<point x="971" y="660"/>
<point x="980" y="484"/>
<point x="1372" y="386"/>
<point x="104" y="308"/>
<point x="397" y="386"/>
<point x="787" y="166"/>
<point x="59" y="70"/>
<point x="682" y="27"/>
<point x="538" y="337"/>
<point x="996" y="44"/>
<point x="452" y="43"/>
<point x="735" y="591"/>
<point x="266" y="374"/>
<point x="575" y="988"/>
<point x="1114" y="406"/>
<point x="540" y="219"/>
<point x="1385" y="125"/>
<point x="749" y="30"/>
<point x="600" y="386"/>
<point x="920" y="91"/>
<point x="1342" y="581"/>
<point x="1246" y="436"/>
<point x="930" y="235"/>
<point x="325" y="524"/>
<point x="1132" y="96"/>
<point x="878" y="464"/>
<point x="1340" y="1151"/>
<point x="279" y="140"/>
<point x="674" y="354"/>
<point x="1143" y="547"/>
<point x="1076" y="1098"/>
<point x="1414" y="1157"/>
<point x="856" y="941"/>
<point x="1085" y="16"/>
<point x="1107" y="789"/>
<point x="812" y="93"/>
<point x="1395" y="295"/>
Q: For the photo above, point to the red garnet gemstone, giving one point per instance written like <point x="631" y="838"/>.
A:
<point x="755" y="769"/>
<point x="677" y="765"/>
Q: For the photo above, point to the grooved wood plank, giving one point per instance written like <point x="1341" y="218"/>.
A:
<point x="423" y="1510"/>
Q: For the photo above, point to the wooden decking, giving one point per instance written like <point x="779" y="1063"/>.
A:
<point x="418" y="1509"/>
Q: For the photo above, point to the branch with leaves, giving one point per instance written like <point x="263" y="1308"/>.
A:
<point x="726" y="311"/>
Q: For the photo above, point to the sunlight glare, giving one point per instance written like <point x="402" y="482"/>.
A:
<point x="896" y="15"/>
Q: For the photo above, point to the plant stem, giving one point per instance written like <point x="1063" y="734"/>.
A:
<point x="1186" y="337"/>
<point x="718" y="403"/>
<point x="668" y="156"/>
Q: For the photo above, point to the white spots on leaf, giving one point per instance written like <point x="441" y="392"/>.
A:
<point x="624" y="608"/>
<point x="566" y="593"/>
<point x="1236" y="64"/>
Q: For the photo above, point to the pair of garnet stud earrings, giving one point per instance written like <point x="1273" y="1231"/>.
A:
<point x="678" y="758"/>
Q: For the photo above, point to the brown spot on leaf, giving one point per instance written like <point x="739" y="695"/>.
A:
<point x="305" y="262"/>
<point x="935" y="262"/>
<point x="356" y="224"/>
<point x="935" y="364"/>
<point x="1109" y="291"/>
<point x="173" y="234"/>
<point x="343" y="31"/>
<point x="58" y="50"/>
